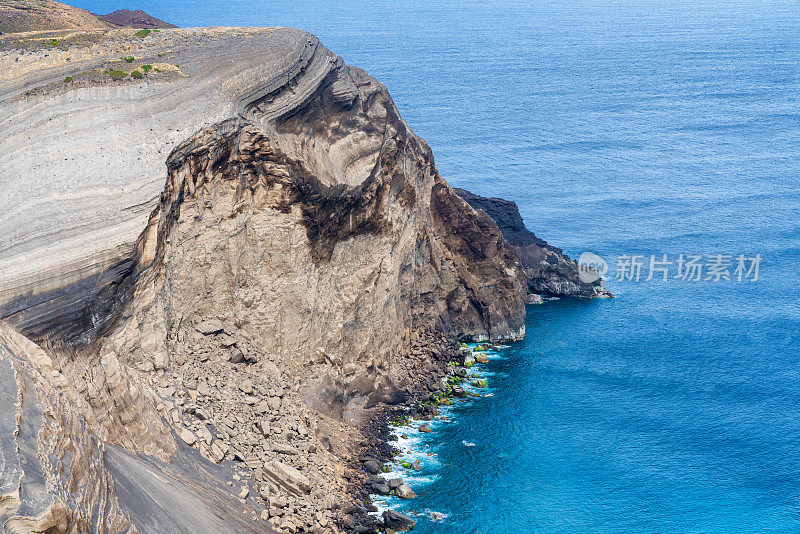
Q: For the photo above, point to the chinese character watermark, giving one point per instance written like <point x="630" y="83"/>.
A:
<point x="663" y="267"/>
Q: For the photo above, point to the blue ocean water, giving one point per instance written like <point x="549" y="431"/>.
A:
<point x="622" y="128"/>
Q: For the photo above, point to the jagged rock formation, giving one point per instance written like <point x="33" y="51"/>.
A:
<point x="226" y="270"/>
<point x="547" y="269"/>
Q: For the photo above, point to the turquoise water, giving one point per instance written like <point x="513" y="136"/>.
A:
<point x="620" y="128"/>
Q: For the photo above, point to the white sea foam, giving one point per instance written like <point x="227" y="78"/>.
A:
<point x="415" y="446"/>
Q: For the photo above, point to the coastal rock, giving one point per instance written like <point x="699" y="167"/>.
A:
<point x="533" y="298"/>
<point x="424" y="428"/>
<point x="548" y="271"/>
<point x="380" y="487"/>
<point x="405" y="492"/>
<point x="481" y="357"/>
<point x="372" y="466"/>
<point x="397" y="522"/>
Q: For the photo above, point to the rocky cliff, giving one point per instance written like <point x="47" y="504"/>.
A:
<point x="224" y="251"/>
<point x="548" y="271"/>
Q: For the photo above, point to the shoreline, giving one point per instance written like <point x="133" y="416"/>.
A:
<point x="403" y="462"/>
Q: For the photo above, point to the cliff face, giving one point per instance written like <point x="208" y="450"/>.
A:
<point x="548" y="271"/>
<point x="303" y="264"/>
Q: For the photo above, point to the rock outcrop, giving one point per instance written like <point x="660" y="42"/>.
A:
<point x="226" y="271"/>
<point x="548" y="270"/>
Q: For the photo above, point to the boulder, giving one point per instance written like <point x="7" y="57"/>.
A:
<point x="284" y="448"/>
<point x="480" y="383"/>
<point x="380" y="487"/>
<point x="372" y="466"/>
<point x="405" y="492"/>
<point x="469" y="361"/>
<point x="397" y="522"/>
<point x="218" y="451"/>
<point x="481" y="357"/>
<point x="189" y="437"/>
<point x="533" y="298"/>
<point x="204" y="434"/>
<point x="263" y="427"/>
<point x="424" y="428"/>
<point x="209" y="326"/>
<point x="395" y="483"/>
<point x="286" y="477"/>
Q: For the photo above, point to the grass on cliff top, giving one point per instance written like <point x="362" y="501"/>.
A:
<point x="142" y="33"/>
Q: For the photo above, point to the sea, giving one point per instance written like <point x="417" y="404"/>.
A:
<point x="663" y="138"/>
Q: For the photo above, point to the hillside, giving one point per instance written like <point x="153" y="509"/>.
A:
<point x="42" y="15"/>
<point x="48" y="15"/>
<point x="135" y="19"/>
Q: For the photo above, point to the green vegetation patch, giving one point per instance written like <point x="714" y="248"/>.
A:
<point x="136" y="74"/>
<point x="142" y="33"/>
<point x="127" y="59"/>
<point x="146" y="68"/>
<point x="117" y="74"/>
<point x="68" y="79"/>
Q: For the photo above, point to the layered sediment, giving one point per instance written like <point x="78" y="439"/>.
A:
<point x="211" y="280"/>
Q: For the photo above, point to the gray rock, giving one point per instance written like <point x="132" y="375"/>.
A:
<point x="397" y="521"/>
<point x="188" y="436"/>
<point x="372" y="466"/>
<point x="405" y="492"/>
<point x="380" y="487"/>
<point x="284" y="448"/>
<point x="286" y="477"/>
<point x="204" y="434"/>
<point x="209" y="326"/>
